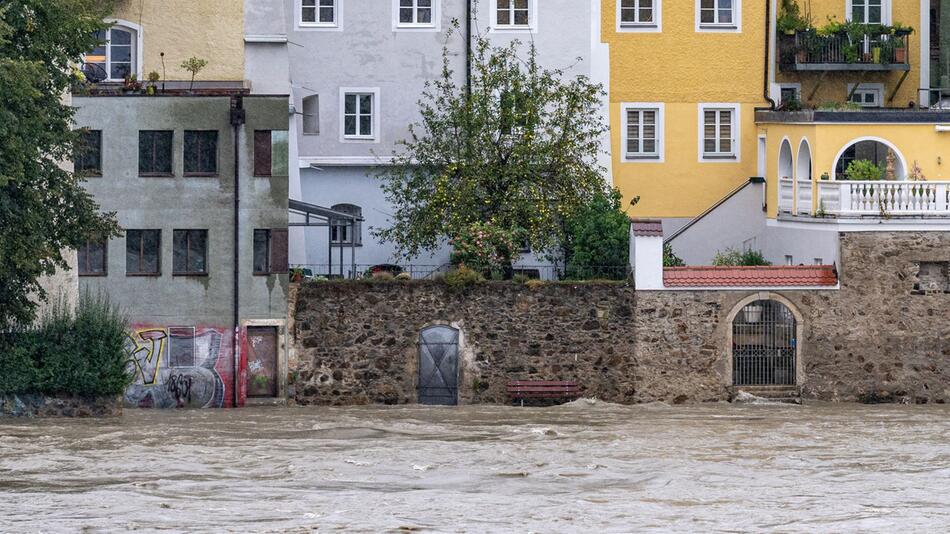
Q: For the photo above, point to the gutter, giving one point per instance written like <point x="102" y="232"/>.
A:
<point x="238" y="118"/>
<point x="768" y="47"/>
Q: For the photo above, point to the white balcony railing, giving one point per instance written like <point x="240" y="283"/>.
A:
<point x="883" y="198"/>
<point x="786" y="195"/>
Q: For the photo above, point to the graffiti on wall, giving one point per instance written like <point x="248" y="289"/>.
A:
<point x="179" y="367"/>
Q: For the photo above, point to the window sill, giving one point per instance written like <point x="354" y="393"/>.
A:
<point x="415" y="27"/>
<point x="359" y="138"/>
<point x="638" y="26"/>
<point x="630" y="157"/>
<point x="196" y="275"/>
<point x="89" y="174"/>
<point x="719" y="27"/>
<point x="513" y="28"/>
<point x="93" y="275"/>
<point x="200" y="175"/>
<point x="156" y="175"/>
<point x="144" y="275"/>
<point x="318" y="26"/>
<point x="347" y="245"/>
<point x="715" y="157"/>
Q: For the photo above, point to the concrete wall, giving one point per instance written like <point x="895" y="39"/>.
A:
<point x="156" y="303"/>
<point x="881" y="336"/>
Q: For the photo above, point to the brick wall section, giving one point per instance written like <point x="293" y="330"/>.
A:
<point x="878" y="337"/>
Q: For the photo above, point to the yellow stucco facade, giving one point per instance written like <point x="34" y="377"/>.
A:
<point x="817" y="89"/>
<point x="682" y="67"/>
<point x="209" y="29"/>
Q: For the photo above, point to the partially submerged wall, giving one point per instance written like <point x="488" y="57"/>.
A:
<point x="885" y="334"/>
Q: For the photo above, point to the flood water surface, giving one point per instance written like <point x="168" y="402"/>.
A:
<point x="584" y="467"/>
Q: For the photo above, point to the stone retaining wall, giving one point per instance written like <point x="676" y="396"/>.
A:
<point x="884" y="335"/>
<point x="32" y="405"/>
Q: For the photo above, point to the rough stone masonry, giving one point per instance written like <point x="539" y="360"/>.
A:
<point x="883" y="336"/>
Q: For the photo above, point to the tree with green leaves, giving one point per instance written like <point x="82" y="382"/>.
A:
<point x="43" y="208"/>
<point x="517" y="150"/>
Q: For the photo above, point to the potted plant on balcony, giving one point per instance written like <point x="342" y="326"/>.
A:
<point x="790" y="19"/>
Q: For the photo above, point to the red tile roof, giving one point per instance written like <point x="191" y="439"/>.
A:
<point x="647" y="227"/>
<point x="790" y="276"/>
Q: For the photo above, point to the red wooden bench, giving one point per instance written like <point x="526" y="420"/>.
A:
<point x="520" y="390"/>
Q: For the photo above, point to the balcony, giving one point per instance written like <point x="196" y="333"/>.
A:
<point x="883" y="198"/>
<point x="873" y="164"/>
<point x="844" y="51"/>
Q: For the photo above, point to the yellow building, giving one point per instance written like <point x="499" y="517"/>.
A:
<point x="705" y="94"/>
<point x="158" y="35"/>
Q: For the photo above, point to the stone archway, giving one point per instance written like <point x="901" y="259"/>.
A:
<point x="764" y="342"/>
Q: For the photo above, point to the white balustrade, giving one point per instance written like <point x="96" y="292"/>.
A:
<point x="885" y="198"/>
<point x="786" y="195"/>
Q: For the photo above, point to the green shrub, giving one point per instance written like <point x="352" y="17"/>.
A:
<point x="735" y="258"/>
<point x="864" y="170"/>
<point x="71" y="353"/>
<point x="462" y="277"/>
<point x="597" y="240"/>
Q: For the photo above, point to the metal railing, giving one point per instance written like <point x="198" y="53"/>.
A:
<point x="809" y="48"/>
<point x="764" y="345"/>
<point x="421" y="272"/>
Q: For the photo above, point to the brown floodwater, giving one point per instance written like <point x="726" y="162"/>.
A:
<point x="585" y="467"/>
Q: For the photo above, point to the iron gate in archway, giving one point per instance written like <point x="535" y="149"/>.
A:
<point x="438" y="365"/>
<point x="764" y="345"/>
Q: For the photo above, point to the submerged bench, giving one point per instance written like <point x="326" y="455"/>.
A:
<point x="519" y="390"/>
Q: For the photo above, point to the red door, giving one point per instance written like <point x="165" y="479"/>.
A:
<point x="261" y="361"/>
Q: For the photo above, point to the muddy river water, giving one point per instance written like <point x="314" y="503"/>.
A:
<point x="585" y="467"/>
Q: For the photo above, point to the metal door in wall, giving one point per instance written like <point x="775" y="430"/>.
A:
<point x="262" y="361"/>
<point x="438" y="366"/>
<point x="764" y="345"/>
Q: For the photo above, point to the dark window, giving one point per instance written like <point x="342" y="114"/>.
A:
<point x="201" y="153"/>
<point x="143" y="252"/>
<point x="270" y="251"/>
<point x="262" y="153"/>
<point x="92" y="259"/>
<point x="155" y="153"/>
<point x="346" y="231"/>
<point x="181" y="346"/>
<point x="89" y="153"/>
<point x="190" y="252"/>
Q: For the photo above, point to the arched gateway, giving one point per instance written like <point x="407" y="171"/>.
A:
<point x="764" y="344"/>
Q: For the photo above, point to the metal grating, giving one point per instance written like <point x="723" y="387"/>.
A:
<point x="764" y="345"/>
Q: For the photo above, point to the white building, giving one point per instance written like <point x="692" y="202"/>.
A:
<point x="356" y="70"/>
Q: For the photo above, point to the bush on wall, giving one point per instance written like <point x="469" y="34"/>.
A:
<point x="69" y="353"/>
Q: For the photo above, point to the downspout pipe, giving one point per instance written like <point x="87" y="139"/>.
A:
<point x="768" y="47"/>
<point x="238" y="118"/>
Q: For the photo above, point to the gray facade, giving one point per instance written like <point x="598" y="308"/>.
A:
<point x="164" y="307"/>
<point x="366" y="51"/>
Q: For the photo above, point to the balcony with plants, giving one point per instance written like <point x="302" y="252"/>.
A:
<point x="839" y="46"/>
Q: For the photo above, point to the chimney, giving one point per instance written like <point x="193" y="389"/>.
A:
<point x="646" y="253"/>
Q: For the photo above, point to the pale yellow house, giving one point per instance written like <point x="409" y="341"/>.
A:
<point x="158" y="35"/>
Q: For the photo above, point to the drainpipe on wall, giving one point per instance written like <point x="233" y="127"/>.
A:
<point x="238" y="118"/>
<point x="468" y="46"/>
<point x="768" y="48"/>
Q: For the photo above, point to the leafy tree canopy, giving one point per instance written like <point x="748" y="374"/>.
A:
<point x="43" y="208"/>
<point x="517" y="151"/>
<point x="597" y="244"/>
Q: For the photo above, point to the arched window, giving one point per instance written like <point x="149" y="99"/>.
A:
<point x="889" y="162"/>
<point x="116" y="58"/>
<point x="344" y="231"/>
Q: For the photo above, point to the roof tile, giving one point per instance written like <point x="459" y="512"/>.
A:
<point x="783" y="276"/>
<point x="647" y="227"/>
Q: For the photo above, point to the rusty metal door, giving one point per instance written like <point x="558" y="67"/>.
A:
<point x="438" y="366"/>
<point x="262" y="361"/>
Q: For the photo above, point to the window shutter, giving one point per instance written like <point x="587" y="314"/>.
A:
<point x="262" y="153"/>
<point x="278" y="250"/>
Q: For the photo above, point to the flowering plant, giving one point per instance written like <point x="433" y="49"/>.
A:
<point x="485" y="247"/>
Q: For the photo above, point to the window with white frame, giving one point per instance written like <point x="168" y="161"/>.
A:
<point x="642" y="133"/>
<point x="116" y="58"/>
<point x="513" y="13"/>
<point x="867" y="11"/>
<point x="866" y="95"/>
<point x="346" y="231"/>
<point x="718" y="13"/>
<point x="719" y="132"/>
<point x="415" y="13"/>
<point x="318" y="12"/>
<point x="638" y="12"/>
<point x="359" y="115"/>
